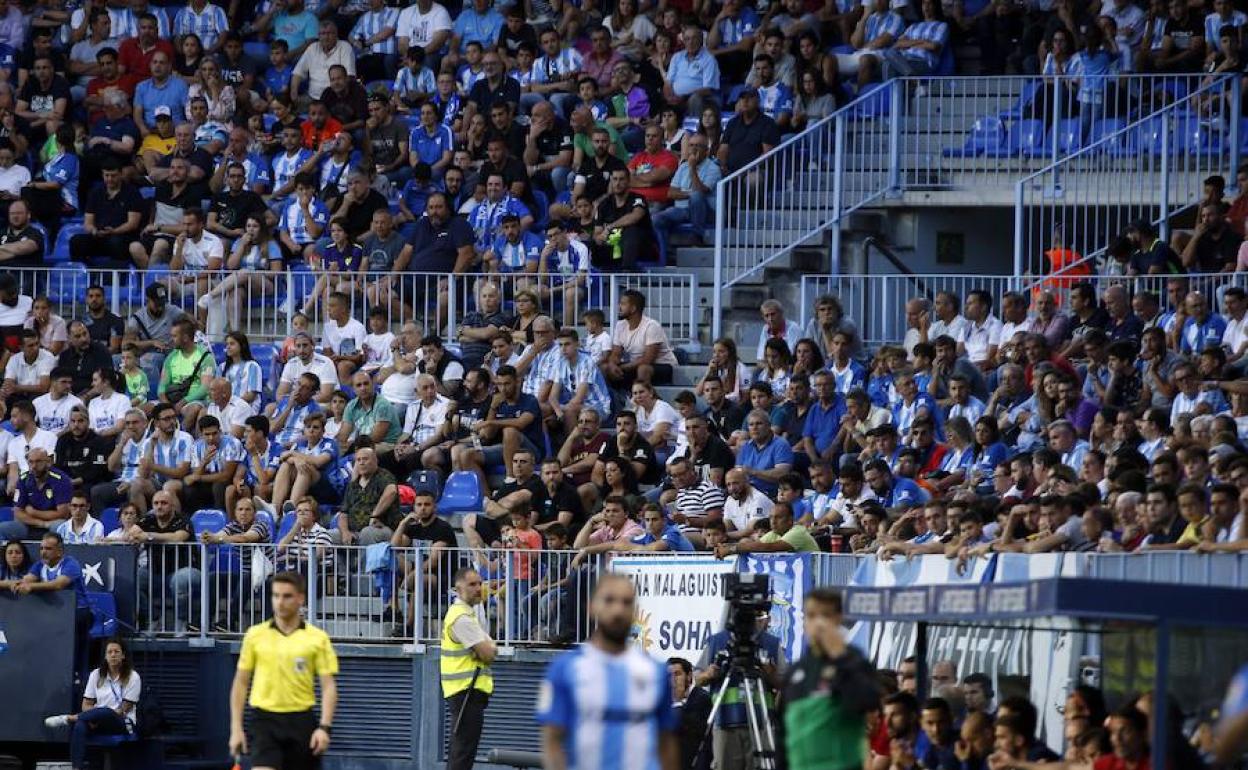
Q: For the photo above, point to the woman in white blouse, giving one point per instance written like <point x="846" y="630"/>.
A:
<point x="108" y="703"/>
<point x="107" y="411"/>
<point x="655" y="418"/>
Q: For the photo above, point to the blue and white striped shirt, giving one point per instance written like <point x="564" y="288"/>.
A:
<point x="1093" y="72"/>
<point x="254" y="166"/>
<point x="131" y="453"/>
<point x="540" y="371"/>
<point x="775" y="100"/>
<point x="1214" y="24"/>
<point x="548" y="70"/>
<point x="230" y="450"/>
<point x="209" y="24"/>
<point x="408" y="83"/>
<point x="467" y="77"/>
<point x="286" y="166"/>
<point x="245" y="377"/>
<point x="570" y="375"/>
<point x="487" y="217"/>
<point x="172" y="453"/>
<point x="270" y="462"/>
<point x="294" y="423"/>
<point x="450" y="108"/>
<point x="335" y="173"/>
<point x="295" y="222"/>
<point x="125" y="22"/>
<point x="612" y="708"/>
<point x="887" y="23"/>
<point x="733" y="31"/>
<point x="372" y="23"/>
<point x="930" y="32"/>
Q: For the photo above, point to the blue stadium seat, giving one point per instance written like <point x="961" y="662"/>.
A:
<point x="288" y="523"/>
<point x="6" y="513"/>
<point x="218" y="352"/>
<point x="267" y="518"/>
<point x="265" y="355"/>
<point x="987" y="135"/>
<point x="1149" y="136"/>
<point x="110" y="519"/>
<point x="541" y="212"/>
<point x="874" y="101"/>
<point x="60" y="252"/>
<point x="222" y="558"/>
<point x="1117" y="145"/>
<point x="1024" y="100"/>
<point x="1023" y="137"/>
<point x="207" y="520"/>
<point x="68" y="282"/>
<point x="1195" y="136"/>
<point x="104" y="611"/>
<point x="1069" y="136"/>
<point x="257" y="50"/>
<point x="462" y="494"/>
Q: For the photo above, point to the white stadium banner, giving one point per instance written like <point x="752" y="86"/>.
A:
<point x="680" y="602"/>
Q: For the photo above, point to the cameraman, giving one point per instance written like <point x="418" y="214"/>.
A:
<point x="732" y="748"/>
<point x="827" y="694"/>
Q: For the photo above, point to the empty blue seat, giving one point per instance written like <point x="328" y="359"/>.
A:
<point x="110" y="519"/>
<point x="1023" y="137"/>
<point x="104" y="613"/>
<point x="1025" y="97"/>
<point x="6" y="513"/>
<point x="1109" y="135"/>
<point x="218" y="352"/>
<point x="1149" y="136"/>
<point x="258" y="50"/>
<point x="267" y="518"/>
<point x="1069" y="136"/>
<point x="60" y="252"/>
<point x="265" y="355"/>
<point x="874" y="101"/>
<point x="462" y="494"/>
<point x="283" y="529"/>
<point x="987" y="135"/>
<point x="1196" y="136"/>
<point x="207" y="520"/>
<point x="68" y="282"/>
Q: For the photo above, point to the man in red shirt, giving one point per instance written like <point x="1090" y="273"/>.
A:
<point x="651" y="169"/>
<point x="110" y="78"/>
<point x="320" y="127"/>
<point x="1128" y="734"/>
<point x="135" y="54"/>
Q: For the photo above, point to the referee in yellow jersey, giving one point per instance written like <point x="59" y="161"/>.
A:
<point x="284" y="655"/>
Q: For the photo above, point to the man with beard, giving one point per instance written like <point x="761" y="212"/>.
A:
<point x="231" y="207"/>
<point x="607" y="692"/>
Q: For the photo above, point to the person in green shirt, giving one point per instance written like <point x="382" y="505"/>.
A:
<point x="368" y="415"/>
<point x="784" y="537"/>
<point x="137" y="386"/>
<point x="186" y="364"/>
<point x="827" y="693"/>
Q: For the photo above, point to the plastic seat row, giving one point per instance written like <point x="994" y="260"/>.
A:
<point x="1189" y="134"/>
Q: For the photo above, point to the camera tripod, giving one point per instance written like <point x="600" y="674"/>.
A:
<point x="754" y="693"/>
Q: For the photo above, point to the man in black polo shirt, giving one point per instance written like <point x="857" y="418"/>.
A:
<point x="359" y="202"/>
<point x="748" y="136"/>
<point x="548" y="149"/>
<point x="111" y="219"/>
<point x="21" y="245"/>
<point x="502" y="123"/>
<point x="105" y="327"/>
<point x="593" y="178"/>
<point x="492" y="89"/>
<point x="231" y="207"/>
<point x="1213" y="247"/>
<point x="442" y="243"/>
<point x="82" y="357"/>
<point x="200" y="160"/>
<point x="499" y="160"/>
<point x="624" y="225"/>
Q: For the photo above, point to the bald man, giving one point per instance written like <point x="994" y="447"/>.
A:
<point x="41" y="500"/>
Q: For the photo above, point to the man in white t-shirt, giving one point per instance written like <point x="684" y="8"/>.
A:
<point x="426" y="423"/>
<point x="306" y="359"/>
<point x="26" y="374"/>
<point x="28" y="436"/>
<point x="426" y="24"/>
<point x="13" y="176"/>
<point x="342" y="337"/>
<point x="640" y="350"/>
<point x="197" y="252"/>
<point x="776" y="326"/>
<point x="230" y="410"/>
<point x="744" y="505"/>
<point x="52" y="408"/>
<point x="14" y="308"/>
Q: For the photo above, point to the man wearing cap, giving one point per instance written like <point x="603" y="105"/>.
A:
<point x="748" y="136"/>
<point x="150" y="329"/>
<point x="158" y="143"/>
<point x="162" y="89"/>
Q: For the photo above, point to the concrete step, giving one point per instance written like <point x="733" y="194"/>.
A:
<point x="356" y="629"/>
<point x="350" y="606"/>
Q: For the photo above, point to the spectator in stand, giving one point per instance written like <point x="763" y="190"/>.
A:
<point x="875" y="32"/>
<point x="316" y="61"/>
<point x="113" y="216"/>
<point x="653" y="168"/>
<point x="82" y="452"/>
<point x="692" y="80"/>
<point x="1213" y="247"/>
<point x="749" y="135"/>
<point x="640" y="350"/>
<point x="690" y="192"/>
<point x="27" y="373"/>
<point x="41" y="498"/>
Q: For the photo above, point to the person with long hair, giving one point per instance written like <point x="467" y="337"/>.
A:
<point x="187" y="60"/>
<point x="989" y="452"/>
<point x="726" y="365"/>
<point x="339" y="263"/>
<point x="619" y="479"/>
<point x="631" y="32"/>
<point x="776" y="368"/>
<point x="255" y="252"/>
<point x="672" y="123"/>
<point x="216" y="92"/>
<point x="711" y="125"/>
<point x="51" y="328"/>
<point x="655" y="417"/>
<point x="528" y="308"/>
<point x="807" y="359"/>
<point x="108" y="703"/>
<point x="814" y="101"/>
<point x="241" y="369"/>
<point x="53" y="194"/>
<point x="14" y="566"/>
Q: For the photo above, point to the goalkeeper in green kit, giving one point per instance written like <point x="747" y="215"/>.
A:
<point x="827" y="693"/>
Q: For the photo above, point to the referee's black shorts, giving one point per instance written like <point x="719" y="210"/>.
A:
<point x="281" y="740"/>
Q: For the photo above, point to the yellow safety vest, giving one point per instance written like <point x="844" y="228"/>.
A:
<point x="457" y="664"/>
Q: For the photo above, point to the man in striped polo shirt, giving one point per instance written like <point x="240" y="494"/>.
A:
<point x="697" y="502"/>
